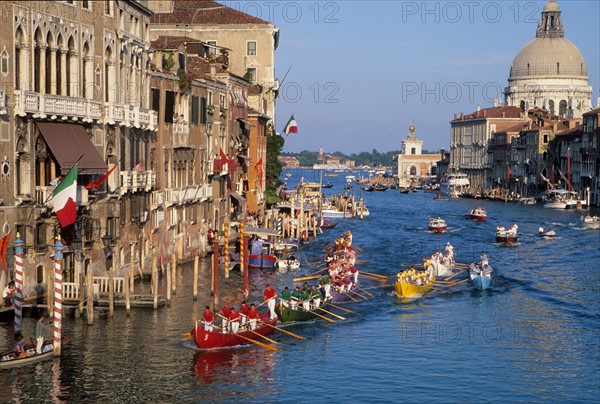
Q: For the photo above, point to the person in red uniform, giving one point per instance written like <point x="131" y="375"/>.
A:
<point x="209" y="319"/>
<point x="244" y="309"/>
<point x="225" y="312"/>
<point x="252" y="316"/>
<point x="234" y="321"/>
<point x="270" y="296"/>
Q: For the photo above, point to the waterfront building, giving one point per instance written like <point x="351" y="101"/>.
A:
<point x="249" y="44"/>
<point x="550" y="72"/>
<point x="499" y="156"/>
<point x="413" y="165"/>
<point x="590" y="163"/>
<point x="470" y="136"/>
<point x="73" y="88"/>
<point x="289" y="161"/>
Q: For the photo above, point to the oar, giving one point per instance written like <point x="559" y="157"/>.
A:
<point x="264" y="302"/>
<point x="371" y="278"/>
<point x="272" y="341"/>
<point x="352" y="298"/>
<point x="341" y="308"/>
<point x="306" y="278"/>
<point x="358" y="294"/>
<point x="330" y="313"/>
<point x="323" y="317"/>
<point x="367" y="293"/>
<point x="372" y="274"/>
<point x="282" y="330"/>
<point x="272" y="348"/>
<point x="457" y="282"/>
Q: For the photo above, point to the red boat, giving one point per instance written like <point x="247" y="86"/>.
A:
<point x="437" y="225"/>
<point x="217" y="339"/>
<point x="478" y="214"/>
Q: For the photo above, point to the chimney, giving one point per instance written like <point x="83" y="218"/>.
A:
<point x="503" y="114"/>
<point x="462" y="116"/>
<point x="484" y="113"/>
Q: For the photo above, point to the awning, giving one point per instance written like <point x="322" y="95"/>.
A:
<point x="70" y="142"/>
<point x="238" y="197"/>
<point x="248" y="124"/>
<point x="261" y="232"/>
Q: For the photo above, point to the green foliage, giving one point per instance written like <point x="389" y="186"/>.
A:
<point x="167" y="61"/>
<point x="373" y="158"/>
<point x="185" y="81"/>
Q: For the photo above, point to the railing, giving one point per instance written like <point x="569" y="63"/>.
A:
<point x="130" y="115"/>
<point x="43" y="196"/>
<point x="59" y="105"/>
<point x="157" y="199"/>
<point x="71" y="290"/>
<point x="134" y="181"/>
<point x="192" y="193"/>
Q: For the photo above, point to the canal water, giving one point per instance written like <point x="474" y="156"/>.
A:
<point x="534" y="337"/>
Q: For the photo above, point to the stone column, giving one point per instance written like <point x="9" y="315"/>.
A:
<point x="53" y="70"/>
<point x="63" y="72"/>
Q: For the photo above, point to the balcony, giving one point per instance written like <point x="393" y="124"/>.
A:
<point x="133" y="181"/>
<point x="189" y="194"/>
<point x="43" y="196"/>
<point x="130" y="116"/>
<point x="54" y="106"/>
<point x="181" y="134"/>
<point x="157" y="199"/>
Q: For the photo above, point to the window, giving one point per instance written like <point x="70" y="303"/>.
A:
<point x="545" y="138"/>
<point x="169" y="106"/>
<point x="413" y="150"/>
<point x="251" y="48"/>
<point x="4" y="63"/>
<point x="86" y="4"/>
<point x="195" y="109"/>
<point x="212" y="47"/>
<point x="203" y="111"/>
<point x="108" y="10"/>
<point x="155" y="99"/>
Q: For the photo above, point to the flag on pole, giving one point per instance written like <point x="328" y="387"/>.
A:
<point x="4" y="249"/>
<point x="508" y="172"/>
<point x="291" y="126"/>
<point x="258" y="168"/>
<point x="224" y="159"/>
<point x="100" y="181"/>
<point x="64" y="198"/>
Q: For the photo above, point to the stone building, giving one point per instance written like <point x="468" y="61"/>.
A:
<point x="550" y="72"/>
<point x="413" y="165"/>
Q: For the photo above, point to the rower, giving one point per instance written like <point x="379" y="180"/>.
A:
<point x="244" y="309"/>
<point x="209" y="319"/>
<point x="19" y="348"/>
<point x="234" y="321"/>
<point x="325" y="281"/>
<point x="270" y="296"/>
<point x="252" y="316"/>
<point x="295" y="297"/>
<point x="286" y="295"/>
<point x="225" y="312"/>
<point x="315" y="296"/>
<point x="306" y="299"/>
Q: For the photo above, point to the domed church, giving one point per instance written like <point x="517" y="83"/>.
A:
<point x="550" y="72"/>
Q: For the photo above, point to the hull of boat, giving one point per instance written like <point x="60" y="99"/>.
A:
<point x="406" y="289"/>
<point x="7" y="360"/>
<point x="477" y="218"/>
<point x="287" y="314"/>
<point x="437" y="229"/>
<point x="330" y="214"/>
<point x="216" y="340"/>
<point x="262" y="261"/>
<point x="506" y="239"/>
<point x="481" y="282"/>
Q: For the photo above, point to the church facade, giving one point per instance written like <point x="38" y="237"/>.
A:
<point x="413" y="165"/>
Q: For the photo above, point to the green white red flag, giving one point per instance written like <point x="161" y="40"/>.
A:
<point x="291" y="126"/>
<point x="64" y="199"/>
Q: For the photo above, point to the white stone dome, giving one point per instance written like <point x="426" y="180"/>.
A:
<point x="551" y="6"/>
<point x="548" y="57"/>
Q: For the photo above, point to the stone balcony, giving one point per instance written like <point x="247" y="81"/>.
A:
<point x="43" y="196"/>
<point x="57" y="106"/>
<point x="130" y="115"/>
<point x="63" y="107"/>
<point x="183" y="195"/>
<point x="134" y="181"/>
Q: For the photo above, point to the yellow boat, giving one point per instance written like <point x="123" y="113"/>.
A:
<point x="411" y="283"/>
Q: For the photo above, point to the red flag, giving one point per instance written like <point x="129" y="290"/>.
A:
<point x="231" y="165"/>
<point x="100" y="181"/>
<point x="4" y="249"/>
<point x="258" y="168"/>
<point x="508" y="173"/>
<point x="224" y="158"/>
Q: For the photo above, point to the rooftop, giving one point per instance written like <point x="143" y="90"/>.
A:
<point x="206" y="12"/>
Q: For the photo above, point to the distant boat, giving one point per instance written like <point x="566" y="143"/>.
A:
<point x="478" y="214"/>
<point x="328" y="185"/>
<point x="481" y="276"/>
<point x="546" y="233"/>
<point x="368" y="188"/>
<point x="509" y="236"/>
<point x="437" y="225"/>
<point x="380" y="187"/>
<point x="590" y="222"/>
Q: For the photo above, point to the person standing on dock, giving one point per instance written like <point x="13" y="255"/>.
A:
<point x="40" y="330"/>
<point x="270" y="296"/>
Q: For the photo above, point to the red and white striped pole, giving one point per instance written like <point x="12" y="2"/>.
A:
<point x="58" y="257"/>
<point x="18" y="282"/>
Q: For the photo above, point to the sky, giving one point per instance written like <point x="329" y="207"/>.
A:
<point x="356" y="74"/>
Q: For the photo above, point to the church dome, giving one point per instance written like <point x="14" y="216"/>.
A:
<point x="551" y="6"/>
<point x="548" y="57"/>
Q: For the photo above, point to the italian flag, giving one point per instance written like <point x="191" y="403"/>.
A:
<point x="64" y="197"/>
<point x="291" y="126"/>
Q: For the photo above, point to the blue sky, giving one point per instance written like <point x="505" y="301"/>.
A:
<point x="362" y="71"/>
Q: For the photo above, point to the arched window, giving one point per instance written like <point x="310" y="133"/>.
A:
<point x="562" y="108"/>
<point x="4" y="63"/>
<point x="522" y="106"/>
<point x="37" y="61"/>
<point x="551" y="106"/>
<point x="20" y="56"/>
<point x="59" y="65"/>
<point x="49" y="62"/>
<point x="413" y="170"/>
<point x="71" y="68"/>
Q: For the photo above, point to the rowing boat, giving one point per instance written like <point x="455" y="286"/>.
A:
<point x="479" y="214"/>
<point x="481" y="279"/>
<point x="287" y="314"/>
<point x="413" y="283"/>
<point x="9" y="360"/>
<point x="216" y="339"/>
<point x="437" y="225"/>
